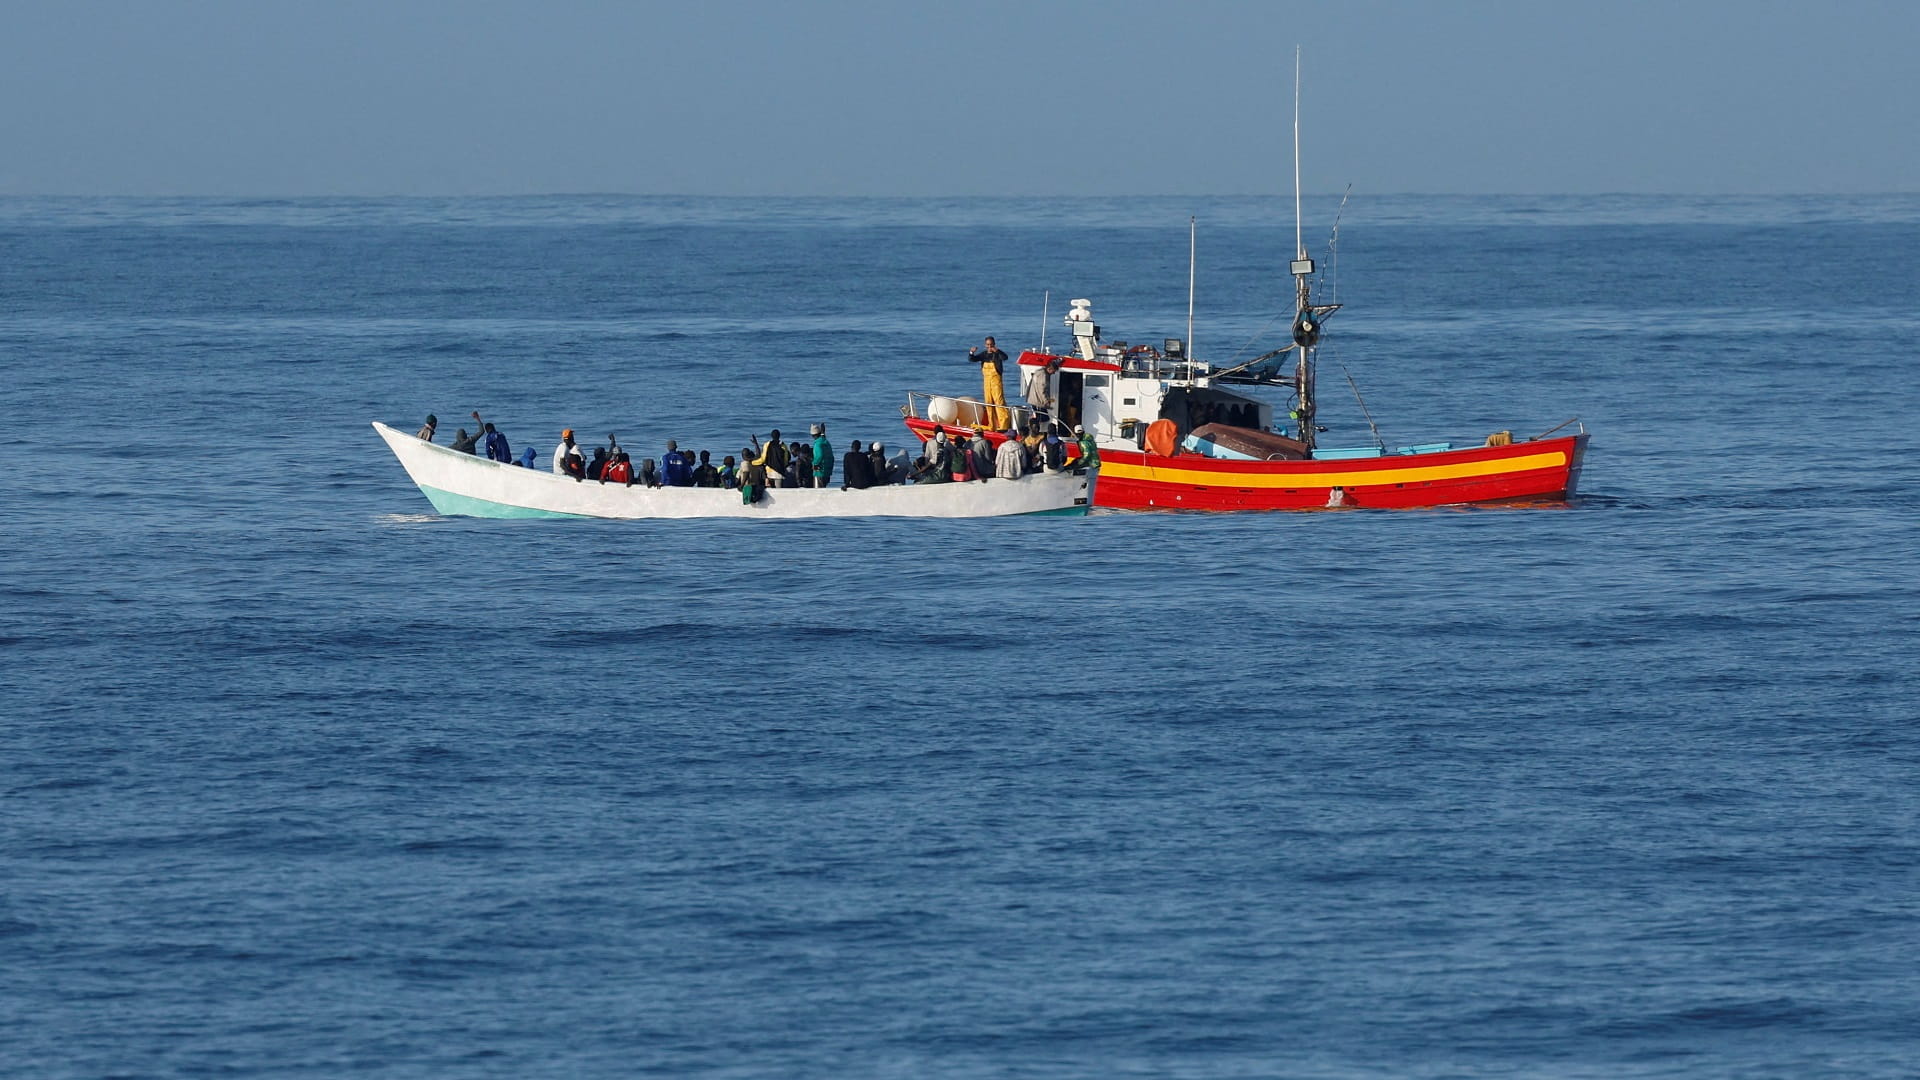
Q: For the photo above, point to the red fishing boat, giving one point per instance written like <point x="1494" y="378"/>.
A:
<point x="1177" y="434"/>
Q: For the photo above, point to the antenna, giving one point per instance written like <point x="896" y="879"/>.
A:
<point x="1306" y="321"/>
<point x="1192" y="236"/>
<point x="1299" y="246"/>
<point x="1046" y="296"/>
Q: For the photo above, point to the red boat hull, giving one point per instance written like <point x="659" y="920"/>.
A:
<point x="1545" y="470"/>
<point x="1540" y="471"/>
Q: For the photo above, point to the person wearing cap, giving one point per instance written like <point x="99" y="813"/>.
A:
<point x="425" y="434"/>
<point x="566" y="457"/>
<point x="992" y="361"/>
<point x="822" y="457"/>
<point x="1089" y="453"/>
<point x="877" y="463"/>
<point x="938" y="468"/>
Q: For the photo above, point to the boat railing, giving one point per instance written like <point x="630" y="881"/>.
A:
<point x="1135" y="365"/>
<point x="918" y="402"/>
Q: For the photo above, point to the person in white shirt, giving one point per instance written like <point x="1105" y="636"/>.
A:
<point x="567" y="459"/>
<point x="1010" y="461"/>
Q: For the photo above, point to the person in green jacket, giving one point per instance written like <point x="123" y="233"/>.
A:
<point x="753" y="476"/>
<point x="822" y="456"/>
<point x="1089" y="453"/>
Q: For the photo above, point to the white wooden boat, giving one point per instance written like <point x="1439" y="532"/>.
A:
<point x="473" y="486"/>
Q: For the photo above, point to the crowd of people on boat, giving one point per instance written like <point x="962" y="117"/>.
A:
<point x="795" y="464"/>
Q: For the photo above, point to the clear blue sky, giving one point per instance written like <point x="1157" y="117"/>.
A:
<point x="988" y="97"/>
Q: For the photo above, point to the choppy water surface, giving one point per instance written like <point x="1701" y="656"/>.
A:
<point x="301" y="779"/>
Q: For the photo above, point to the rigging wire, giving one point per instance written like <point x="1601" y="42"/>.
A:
<point x="1378" y="442"/>
<point x="1333" y="249"/>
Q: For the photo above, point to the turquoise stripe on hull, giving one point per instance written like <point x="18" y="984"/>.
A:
<point x="467" y="506"/>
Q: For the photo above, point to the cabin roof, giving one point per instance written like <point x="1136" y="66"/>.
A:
<point x="1031" y="358"/>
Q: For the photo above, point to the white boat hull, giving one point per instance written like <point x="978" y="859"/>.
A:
<point x="472" y="486"/>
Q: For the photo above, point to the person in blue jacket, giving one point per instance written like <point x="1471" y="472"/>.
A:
<point x="497" y="448"/>
<point x="676" y="468"/>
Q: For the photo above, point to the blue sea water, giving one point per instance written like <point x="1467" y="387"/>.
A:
<point x="300" y="779"/>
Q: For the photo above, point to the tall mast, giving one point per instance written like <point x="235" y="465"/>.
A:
<point x="1299" y="245"/>
<point x="1306" y="327"/>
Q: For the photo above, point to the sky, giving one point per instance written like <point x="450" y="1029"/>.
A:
<point x="984" y="97"/>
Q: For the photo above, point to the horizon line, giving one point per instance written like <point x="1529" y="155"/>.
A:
<point x="285" y="196"/>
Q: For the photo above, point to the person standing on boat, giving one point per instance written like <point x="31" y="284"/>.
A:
<point x="425" y="434"/>
<point x="772" y="457"/>
<point x="822" y="457"/>
<point x="1033" y="387"/>
<point x="992" y="362"/>
<point x="877" y="457"/>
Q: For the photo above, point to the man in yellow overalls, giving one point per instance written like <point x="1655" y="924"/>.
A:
<point x="991" y="360"/>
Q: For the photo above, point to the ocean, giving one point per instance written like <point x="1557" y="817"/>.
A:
<point x="301" y="779"/>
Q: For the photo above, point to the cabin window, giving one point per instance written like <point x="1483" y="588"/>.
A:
<point x="1096" y="380"/>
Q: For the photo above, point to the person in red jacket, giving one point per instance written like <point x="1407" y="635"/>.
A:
<point x="618" y="471"/>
